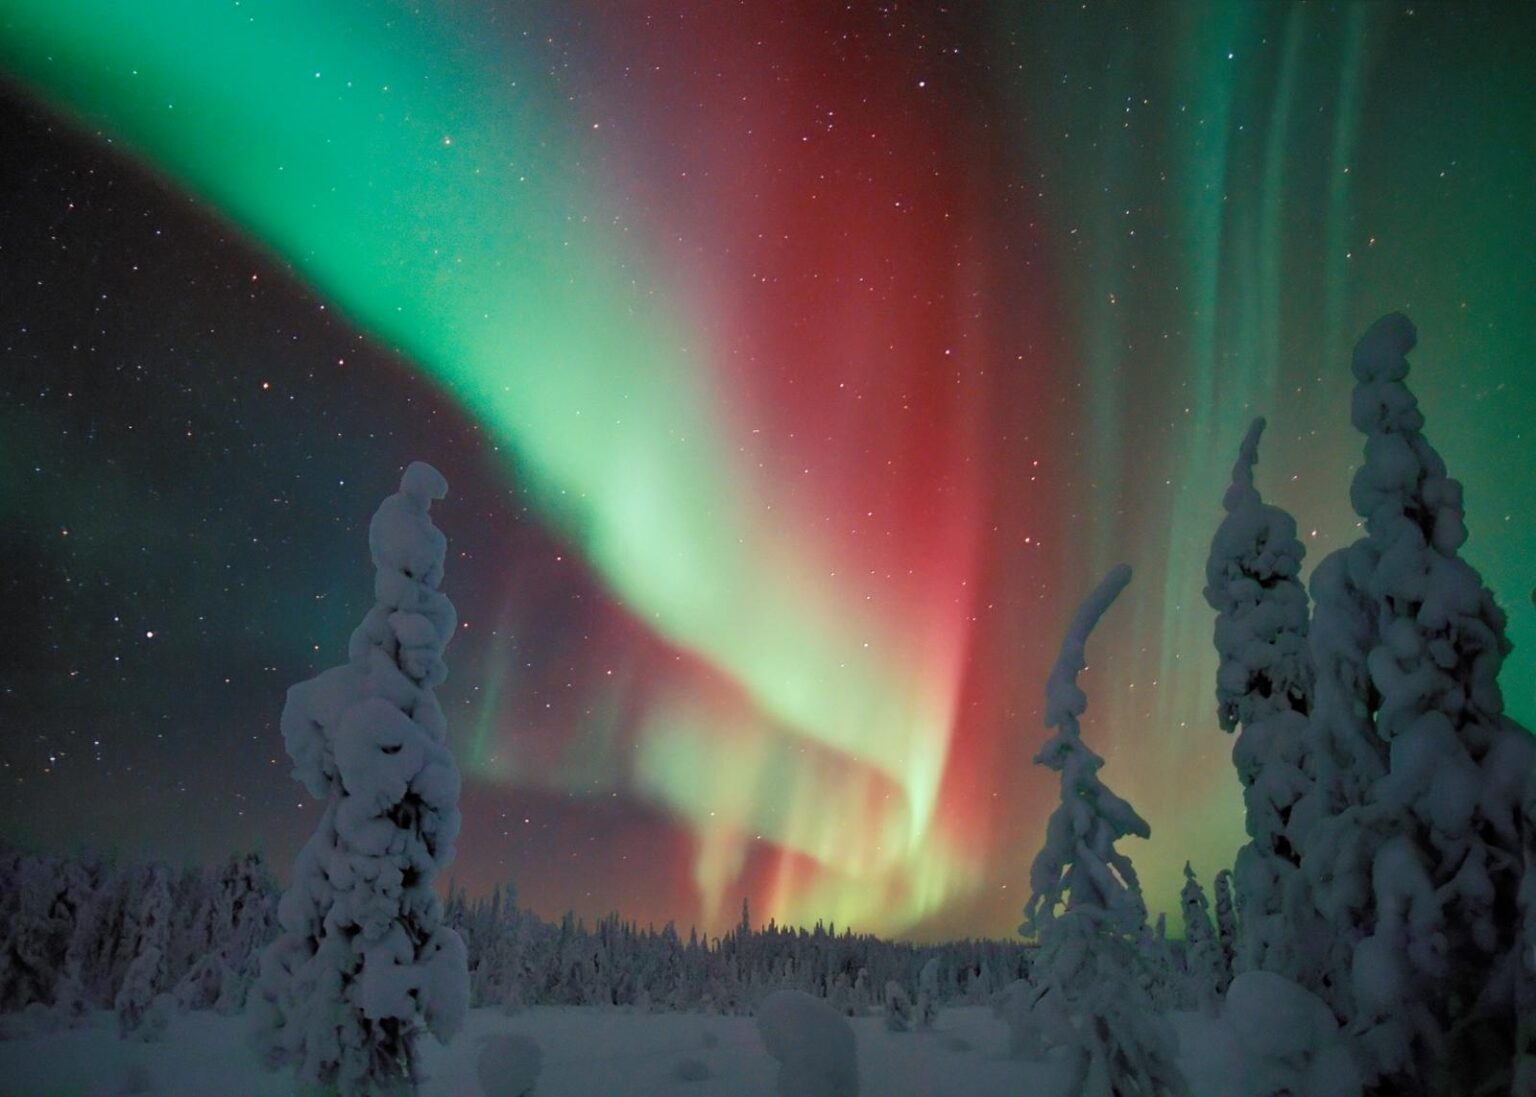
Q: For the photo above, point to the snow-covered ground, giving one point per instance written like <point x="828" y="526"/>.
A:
<point x="587" y="1053"/>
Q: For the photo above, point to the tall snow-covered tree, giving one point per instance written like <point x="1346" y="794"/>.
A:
<point x="33" y="935"/>
<point x="243" y="915"/>
<point x="363" y="959"/>
<point x="147" y="972"/>
<point x="1202" y="951"/>
<point x="1253" y="581"/>
<point x="1226" y="925"/>
<point x="1264" y="684"/>
<point x="137" y="1015"/>
<point x="1079" y="868"/>
<point x="1086" y="906"/>
<point x="234" y="919"/>
<point x="1411" y="835"/>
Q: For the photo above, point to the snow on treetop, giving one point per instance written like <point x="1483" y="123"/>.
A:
<point x="1064" y="701"/>
<point x="1251" y="581"/>
<point x="1242" y="490"/>
<point x="1403" y="485"/>
<point x="1382" y="404"/>
<point x="402" y="539"/>
<point x="1382" y="352"/>
<point x="422" y="481"/>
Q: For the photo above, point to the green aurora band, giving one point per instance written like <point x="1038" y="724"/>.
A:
<point x="390" y="164"/>
<point x="1255" y="184"/>
<point x="1233" y="191"/>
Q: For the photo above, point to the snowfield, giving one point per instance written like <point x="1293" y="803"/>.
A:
<point x="587" y="1053"/>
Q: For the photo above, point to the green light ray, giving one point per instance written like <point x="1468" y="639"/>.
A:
<point x="1270" y="250"/>
<point x="444" y="202"/>
<point x="1337" y="229"/>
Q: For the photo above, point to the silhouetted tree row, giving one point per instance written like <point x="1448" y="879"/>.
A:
<point x="89" y="933"/>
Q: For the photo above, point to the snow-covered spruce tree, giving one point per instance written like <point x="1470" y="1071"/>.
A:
<point x="899" y="1009"/>
<point x="363" y="959"/>
<point x="244" y="913"/>
<point x="71" y="1000"/>
<point x="92" y="885"/>
<point x="1264" y="683"/>
<point x="147" y="971"/>
<point x="1202" y="952"/>
<point x="1078" y="869"/>
<point x="234" y="919"/>
<point x="1226" y="926"/>
<point x="1410" y="838"/>
<point x="141" y="1013"/>
<point x="1086" y="908"/>
<point x="33" y="935"/>
<point x="1160" y="974"/>
<point x="929" y="995"/>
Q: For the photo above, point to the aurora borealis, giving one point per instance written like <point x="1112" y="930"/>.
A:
<point x="794" y="370"/>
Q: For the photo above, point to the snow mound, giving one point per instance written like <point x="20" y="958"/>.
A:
<point x="1288" y="1039"/>
<point x="813" y="1044"/>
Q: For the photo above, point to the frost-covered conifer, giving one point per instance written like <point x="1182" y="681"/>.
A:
<point x="33" y="935"/>
<point x="898" y="1007"/>
<point x="1202" y="952"/>
<point x="1252" y="578"/>
<point x="929" y="994"/>
<point x="146" y="973"/>
<point x="363" y="958"/>
<point x="234" y="920"/>
<point x="1264" y="685"/>
<point x="837" y="993"/>
<point x="863" y="996"/>
<point x="1411" y="837"/>
<point x="979" y="984"/>
<point x="244" y="911"/>
<point x="1078" y="868"/>
<point x="1226" y="926"/>
<point x="1158" y="973"/>
<point x="137" y="1015"/>
<point x="95" y="885"/>
<point x="101" y="946"/>
<point x="1086" y="905"/>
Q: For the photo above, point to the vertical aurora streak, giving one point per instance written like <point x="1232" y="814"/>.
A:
<point x="841" y="350"/>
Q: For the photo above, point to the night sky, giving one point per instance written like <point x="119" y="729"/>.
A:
<point x="794" y="368"/>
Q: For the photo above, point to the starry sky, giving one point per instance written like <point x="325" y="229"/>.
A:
<point x="795" y="368"/>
